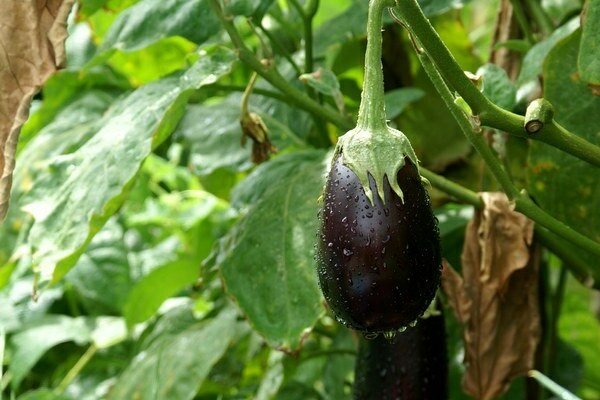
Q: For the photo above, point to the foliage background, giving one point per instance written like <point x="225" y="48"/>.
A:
<point x="166" y="265"/>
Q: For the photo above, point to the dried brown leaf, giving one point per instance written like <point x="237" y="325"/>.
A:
<point x="32" y="35"/>
<point x="496" y="299"/>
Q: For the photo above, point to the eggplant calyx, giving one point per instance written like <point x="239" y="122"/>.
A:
<point x="378" y="154"/>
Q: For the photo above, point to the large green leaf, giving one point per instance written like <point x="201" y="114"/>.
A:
<point x="102" y="275"/>
<point x="151" y="20"/>
<point x="563" y="185"/>
<point x="174" y="366"/>
<point x="81" y="190"/>
<point x="267" y="259"/>
<point x="69" y="129"/>
<point x="66" y="87"/>
<point x="588" y="61"/>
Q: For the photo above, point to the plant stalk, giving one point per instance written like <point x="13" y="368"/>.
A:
<point x="271" y="75"/>
<point x="483" y="109"/>
<point x="523" y="203"/>
<point x="371" y="114"/>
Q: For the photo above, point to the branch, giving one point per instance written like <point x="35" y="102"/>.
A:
<point x="271" y="75"/>
<point x="487" y="112"/>
<point x="522" y="201"/>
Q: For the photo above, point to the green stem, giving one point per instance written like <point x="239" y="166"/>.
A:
<point x="539" y="15"/>
<point x="551" y="133"/>
<point x="270" y="74"/>
<point x="410" y="12"/>
<point x="257" y="91"/>
<point x="310" y="11"/>
<point x="522" y="20"/>
<point x="487" y="112"/>
<point x="522" y="202"/>
<point x="447" y="186"/>
<point x="277" y="44"/>
<point x="77" y="368"/>
<point x="575" y="264"/>
<point x="371" y="114"/>
<point x="247" y="93"/>
<point x="555" y="310"/>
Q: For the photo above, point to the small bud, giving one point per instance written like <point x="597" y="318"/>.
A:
<point x="254" y="128"/>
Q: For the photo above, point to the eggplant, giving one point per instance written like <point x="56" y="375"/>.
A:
<point x="413" y="366"/>
<point x="379" y="264"/>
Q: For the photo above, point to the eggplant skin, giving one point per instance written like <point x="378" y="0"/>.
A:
<point x="379" y="265"/>
<point x="412" y="367"/>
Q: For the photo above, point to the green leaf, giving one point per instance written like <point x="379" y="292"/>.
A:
<point x="579" y="327"/>
<point x="70" y="128"/>
<point x="534" y="59"/>
<point x="30" y="344"/>
<point x="563" y="185"/>
<point x="396" y="100"/>
<point x="148" y="294"/>
<point x="435" y="7"/>
<point x="67" y="87"/>
<point x="589" y="48"/>
<point x="148" y="21"/>
<point x="342" y="28"/>
<point x="322" y="80"/>
<point x="497" y="86"/>
<point x="247" y="7"/>
<point x="267" y="259"/>
<point x="102" y="275"/>
<point x="173" y="367"/>
<point x="273" y="377"/>
<point x="155" y="61"/>
<point x="81" y="190"/>
<point x="213" y="133"/>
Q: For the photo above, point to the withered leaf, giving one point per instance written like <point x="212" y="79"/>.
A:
<point x="32" y="35"/>
<point x="496" y="298"/>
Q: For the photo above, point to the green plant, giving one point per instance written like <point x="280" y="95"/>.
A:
<point x="141" y="225"/>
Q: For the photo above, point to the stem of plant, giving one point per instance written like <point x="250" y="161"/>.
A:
<point x="539" y="15"/>
<point x="522" y="202"/>
<point x="77" y="368"/>
<point x="557" y="300"/>
<point x="271" y="75"/>
<point x="310" y="10"/>
<point x="371" y="114"/>
<point x="522" y="20"/>
<point x="487" y="112"/>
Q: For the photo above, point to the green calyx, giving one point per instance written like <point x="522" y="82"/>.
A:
<point x="376" y="153"/>
<point x="373" y="148"/>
